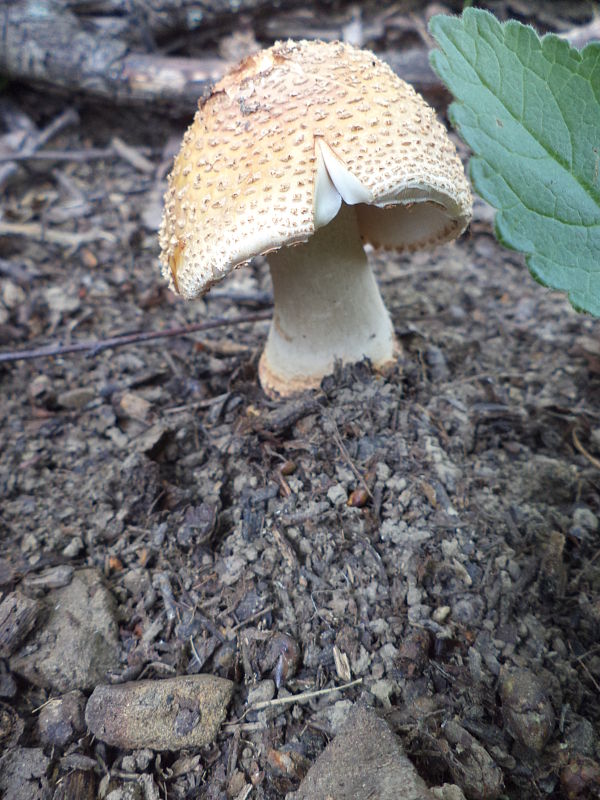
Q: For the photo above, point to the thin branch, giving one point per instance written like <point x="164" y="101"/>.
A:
<point x="86" y="154"/>
<point x="39" y="233"/>
<point x="302" y="697"/>
<point x="95" y="346"/>
<point x="592" y="459"/>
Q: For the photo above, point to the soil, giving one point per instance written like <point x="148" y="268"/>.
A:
<point x="433" y="531"/>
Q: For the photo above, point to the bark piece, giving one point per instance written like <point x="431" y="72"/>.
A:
<point x="17" y="618"/>
<point x="364" y="761"/>
<point x="186" y="711"/>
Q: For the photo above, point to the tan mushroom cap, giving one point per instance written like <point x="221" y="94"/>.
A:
<point x="243" y="183"/>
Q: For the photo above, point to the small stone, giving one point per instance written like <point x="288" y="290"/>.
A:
<point x="11" y="727"/>
<point x="526" y="708"/>
<point x="236" y="784"/>
<point x="75" y="399"/>
<point x="383" y="689"/>
<point x="449" y="791"/>
<point x="171" y="714"/>
<point x="337" y="495"/>
<point x="8" y="685"/>
<point x="441" y="614"/>
<point x="413" y="596"/>
<point x="23" y="773"/>
<point x="581" y="737"/>
<point x="580" y="778"/>
<point x="585" y="518"/>
<point x="73" y="549"/>
<point x="263" y="691"/>
<point x="61" y="720"/>
<point x="53" y="578"/>
<point x="364" y="761"/>
<point x="288" y="762"/>
<point x="413" y="654"/>
<point x="153" y="440"/>
<point x="470" y="765"/>
<point x="135" y="406"/>
<point x="41" y="391"/>
<point x="12" y="295"/>
<point x="78" y="643"/>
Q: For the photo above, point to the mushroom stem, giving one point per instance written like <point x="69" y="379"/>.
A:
<point x="327" y="308"/>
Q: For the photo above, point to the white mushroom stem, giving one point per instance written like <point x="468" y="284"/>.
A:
<point x="327" y="308"/>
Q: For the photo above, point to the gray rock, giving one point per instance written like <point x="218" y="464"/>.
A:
<point x="264" y="690"/>
<point x="526" y="708"/>
<point x="23" y="774"/>
<point x="74" y="399"/>
<point x="337" y="495"/>
<point x="61" y="719"/>
<point x="470" y="764"/>
<point x="585" y="518"/>
<point x="78" y="644"/>
<point x="364" y="761"/>
<point x="180" y="712"/>
<point x="449" y="791"/>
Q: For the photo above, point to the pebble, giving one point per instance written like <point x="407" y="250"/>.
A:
<point x="383" y="689"/>
<point x="53" y="578"/>
<point x="75" y="399"/>
<point x="169" y="714"/>
<point x="470" y="765"/>
<point x="23" y="772"/>
<point x="526" y="708"/>
<point x="585" y="518"/>
<point x="449" y="791"/>
<point x="78" y="642"/>
<point x="364" y="761"/>
<point x="74" y="547"/>
<point x="61" y="720"/>
<point x="261" y="692"/>
<point x="12" y="295"/>
<point x="337" y="495"/>
<point x="441" y="614"/>
<point x="419" y="614"/>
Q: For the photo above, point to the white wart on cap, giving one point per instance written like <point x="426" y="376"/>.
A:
<point x="302" y="153"/>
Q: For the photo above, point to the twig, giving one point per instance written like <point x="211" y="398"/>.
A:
<point x="37" y="139"/>
<point x="86" y="154"/>
<point x="302" y="697"/>
<point x="39" y="233"/>
<point x="98" y="345"/>
<point x="132" y="156"/>
<point x="592" y="459"/>
<point x="251" y="618"/>
<point x="346" y="456"/>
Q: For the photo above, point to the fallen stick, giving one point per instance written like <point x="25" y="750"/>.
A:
<point x="303" y="697"/>
<point x="95" y="346"/>
<point x="34" y="140"/>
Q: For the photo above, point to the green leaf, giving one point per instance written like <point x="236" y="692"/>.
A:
<point x="529" y="109"/>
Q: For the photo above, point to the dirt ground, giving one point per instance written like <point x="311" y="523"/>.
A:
<point x="433" y="531"/>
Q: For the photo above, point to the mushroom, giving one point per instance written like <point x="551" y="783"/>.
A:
<point x="302" y="153"/>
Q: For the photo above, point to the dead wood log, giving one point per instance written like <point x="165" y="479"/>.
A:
<point x="48" y="44"/>
<point x="161" y="17"/>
